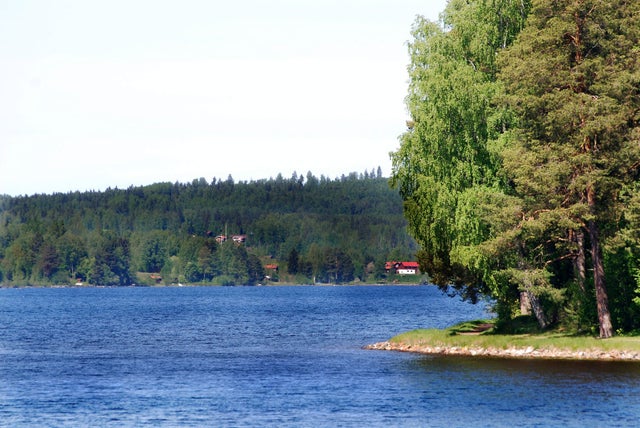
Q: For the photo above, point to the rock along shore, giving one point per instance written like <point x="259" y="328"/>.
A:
<point x="522" y="353"/>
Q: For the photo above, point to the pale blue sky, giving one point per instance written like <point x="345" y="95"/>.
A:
<point x="97" y="94"/>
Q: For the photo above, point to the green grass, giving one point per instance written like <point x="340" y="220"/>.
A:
<point x="551" y="340"/>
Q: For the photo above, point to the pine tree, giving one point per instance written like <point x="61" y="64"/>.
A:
<point x="573" y="78"/>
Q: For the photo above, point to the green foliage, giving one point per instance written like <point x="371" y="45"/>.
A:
<point x="448" y="164"/>
<point x="519" y="169"/>
<point x="569" y="79"/>
<point x="336" y="267"/>
<point x="293" y="262"/>
<point x="111" y="260"/>
<point x="232" y="263"/>
<point x="154" y="251"/>
<point x="330" y="228"/>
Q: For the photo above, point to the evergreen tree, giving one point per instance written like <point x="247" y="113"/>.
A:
<point x="292" y="262"/>
<point x="255" y="270"/>
<point x="573" y="79"/>
<point x="111" y="261"/>
<point x="154" y="253"/>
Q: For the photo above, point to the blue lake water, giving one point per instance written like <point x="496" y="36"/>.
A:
<point x="275" y="356"/>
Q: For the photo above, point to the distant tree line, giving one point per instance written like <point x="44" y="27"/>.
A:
<point x="327" y="230"/>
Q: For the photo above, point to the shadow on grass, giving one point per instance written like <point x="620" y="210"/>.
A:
<point x="472" y="327"/>
<point x="524" y="324"/>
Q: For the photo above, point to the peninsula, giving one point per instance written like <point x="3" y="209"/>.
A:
<point x="477" y="339"/>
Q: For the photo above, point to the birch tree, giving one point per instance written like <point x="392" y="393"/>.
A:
<point x="448" y="161"/>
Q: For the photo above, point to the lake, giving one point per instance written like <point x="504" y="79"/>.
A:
<point x="276" y="356"/>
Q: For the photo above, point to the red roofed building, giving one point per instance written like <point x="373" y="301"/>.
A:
<point x="402" y="268"/>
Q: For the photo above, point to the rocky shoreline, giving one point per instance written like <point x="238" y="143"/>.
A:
<point x="521" y="353"/>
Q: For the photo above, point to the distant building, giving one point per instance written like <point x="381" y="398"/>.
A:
<point x="402" y="268"/>
<point x="239" y="239"/>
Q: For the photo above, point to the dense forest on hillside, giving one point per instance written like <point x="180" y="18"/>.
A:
<point x="327" y="230"/>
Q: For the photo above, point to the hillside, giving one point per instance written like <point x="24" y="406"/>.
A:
<point x="331" y="230"/>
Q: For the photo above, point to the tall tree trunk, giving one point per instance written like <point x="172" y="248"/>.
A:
<point x="602" y="300"/>
<point x="536" y="305"/>
<point x="525" y="304"/>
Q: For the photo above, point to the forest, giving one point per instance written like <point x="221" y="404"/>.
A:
<point x="220" y="232"/>
<point x="520" y="163"/>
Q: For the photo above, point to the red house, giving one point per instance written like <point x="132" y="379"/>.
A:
<point x="402" y="268"/>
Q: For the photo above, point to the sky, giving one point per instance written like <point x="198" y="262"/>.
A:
<point x="97" y="94"/>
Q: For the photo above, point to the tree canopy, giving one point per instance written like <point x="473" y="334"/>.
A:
<point x="518" y="171"/>
<point x="448" y="161"/>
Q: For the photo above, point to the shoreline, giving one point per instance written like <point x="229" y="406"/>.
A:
<point x="275" y="284"/>
<point x="509" y="353"/>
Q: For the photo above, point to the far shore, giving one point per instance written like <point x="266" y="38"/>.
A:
<point x="270" y="284"/>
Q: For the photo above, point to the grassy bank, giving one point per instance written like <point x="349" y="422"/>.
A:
<point x="479" y="338"/>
